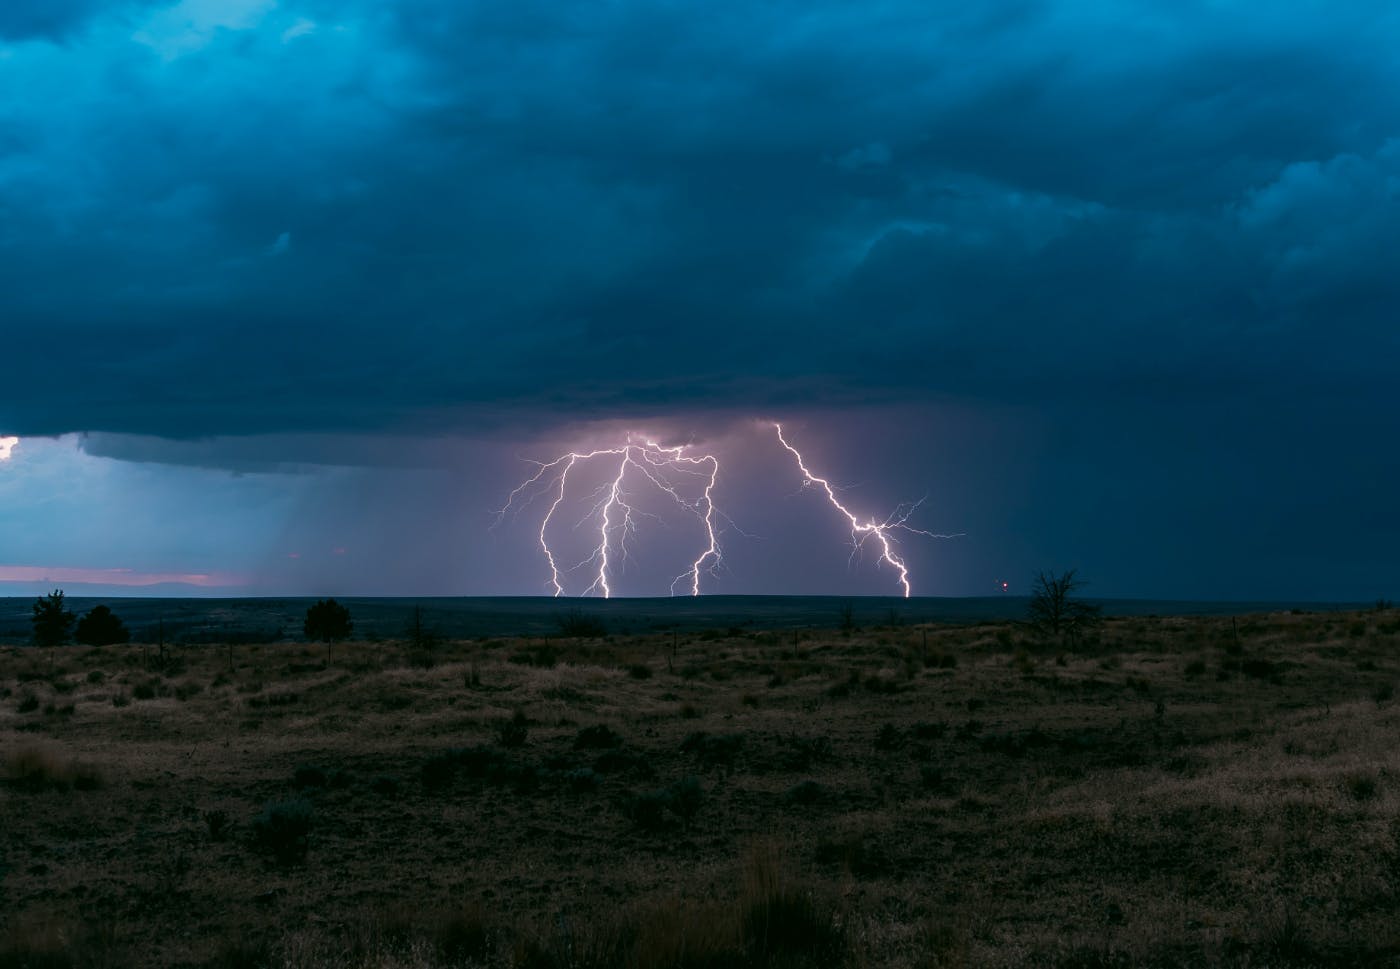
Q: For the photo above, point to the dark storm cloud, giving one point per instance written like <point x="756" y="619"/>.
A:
<point x="226" y="217"/>
<point x="51" y="19"/>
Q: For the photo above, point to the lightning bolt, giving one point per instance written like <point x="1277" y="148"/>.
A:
<point x="862" y="531"/>
<point x="642" y="462"/>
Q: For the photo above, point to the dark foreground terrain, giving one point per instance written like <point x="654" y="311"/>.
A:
<point x="1178" y="792"/>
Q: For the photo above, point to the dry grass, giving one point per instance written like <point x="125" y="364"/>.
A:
<point x="1177" y="792"/>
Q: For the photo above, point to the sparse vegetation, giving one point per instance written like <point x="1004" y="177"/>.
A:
<point x="871" y="808"/>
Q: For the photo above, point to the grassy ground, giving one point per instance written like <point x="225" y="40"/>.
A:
<point x="1178" y="792"/>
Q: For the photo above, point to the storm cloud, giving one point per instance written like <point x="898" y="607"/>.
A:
<point x="1146" y="253"/>
<point x="243" y="216"/>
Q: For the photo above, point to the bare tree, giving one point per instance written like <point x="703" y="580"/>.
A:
<point x="1055" y="612"/>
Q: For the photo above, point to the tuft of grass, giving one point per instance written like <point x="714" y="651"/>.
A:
<point x="513" y="731"/>
<point x="44" y="768"/>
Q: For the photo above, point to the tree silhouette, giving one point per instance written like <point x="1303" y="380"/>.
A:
<point x="101" y="627"/>
<point x="1054" y="612"/>
<point x="51" y="620"/>
<point x="327" y="621"/>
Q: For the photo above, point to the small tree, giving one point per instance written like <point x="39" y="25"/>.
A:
<point x="327" y="621"/>
<point x="51" y="620"/>
<point x="101" y="627"/>
<point x="1053" y="610"/>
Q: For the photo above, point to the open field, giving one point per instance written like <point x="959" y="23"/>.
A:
<point x="1179" y="791"/>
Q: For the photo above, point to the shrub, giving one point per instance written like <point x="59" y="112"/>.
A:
<point x="283" y="829"/>
<point x="929" y="731"/>
<point x="686" y="796"/>
<point x="715" y="749"/>
<point x="582" y="779"/>
<point x="804" y="751"/>
<point x="308" y="776"/>
<point x="101" y="627"/>
<point x="888" y="738"/>
<point x="385" y="785"/>
<point x="217" y="823"/>
<point x="578" y="625"/>
<point x="1362" y="787"/>
<point x="648" y="811"/>
<point x="39" y="768"/>
<point x="617" y="761"/>
<point x="327" y="621"/>
<point x="639" y="671"/>
<point x="597" y="737"/>
<point x="513" y="731"/>
<point x="805" y="792"/>
<point x="146" y="690"/>
<point x="28" y="703"/>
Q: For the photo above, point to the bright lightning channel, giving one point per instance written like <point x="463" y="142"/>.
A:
<point x="649" y="464"/>
<point x="862" y="531"/>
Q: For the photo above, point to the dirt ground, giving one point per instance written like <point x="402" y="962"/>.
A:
<point x="1181" y="791"/>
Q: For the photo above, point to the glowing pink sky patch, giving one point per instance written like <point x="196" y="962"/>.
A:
<point x="125" y="577"/>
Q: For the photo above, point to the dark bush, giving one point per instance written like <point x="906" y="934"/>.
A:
<point x="582" y="779"/>
<point x="513" y="731"/>
<point x="648" y="811"/>
<point x="619" y="761"/>
<point x="540" y="655"/>
<point x="639" y="671"/>
<point x="600" y="736"/>
<point x="308" y="776"/>
<point x="805" y="792"/>
<point x="327" y="621"/>
<point x="283" y="829"/>
<point x="385" y="785"/>
<point x="803" y="752"/>
<point x="217" y="823"/>
<point x="929" y="731"/>
<point x="714" y="749"/>
<point x="28" y="703"/>
<point x="1261" y="669"/>
<point x="686" y="797"/>
<point x="101" y="627"/>
<point x="578" y="625"/>
<point x="889" y="737"/>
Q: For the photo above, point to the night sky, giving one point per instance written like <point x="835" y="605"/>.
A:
<point x="291" y="290"/>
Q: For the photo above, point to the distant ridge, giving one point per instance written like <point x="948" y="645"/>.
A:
<point x="272" y="618"/>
